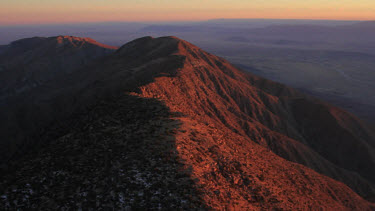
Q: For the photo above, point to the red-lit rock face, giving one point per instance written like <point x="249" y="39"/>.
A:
<point x="231" y="122"/>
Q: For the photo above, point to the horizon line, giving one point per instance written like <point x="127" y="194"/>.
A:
<point x="180" y="21"/>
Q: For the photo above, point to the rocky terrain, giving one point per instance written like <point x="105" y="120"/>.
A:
<point x="121" y="156"/>
<point x="161" y="124"/>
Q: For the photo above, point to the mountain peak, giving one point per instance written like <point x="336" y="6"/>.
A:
<point x="58" y="41"/>
<point x="44" y="58"/>
<point x="79" y="41"/>
<point x="160" y="45"/>
<point x="72" y="39"/>
<point x="169" y="48"/>
<point x="150" y="45"/>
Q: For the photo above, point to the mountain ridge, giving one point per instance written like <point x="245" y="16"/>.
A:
<point x="240" y="135"/>
<point x="265" y="117"/>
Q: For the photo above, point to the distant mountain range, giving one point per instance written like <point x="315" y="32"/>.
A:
<point x="161" y="124"/>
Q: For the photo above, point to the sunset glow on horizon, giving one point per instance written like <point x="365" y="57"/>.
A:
<point x="69" y="11"/>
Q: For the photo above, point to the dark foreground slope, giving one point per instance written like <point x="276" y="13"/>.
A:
<point x="162" y="124"/>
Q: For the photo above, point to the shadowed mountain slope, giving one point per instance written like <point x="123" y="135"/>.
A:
<point x="239" y="139"/>
<point x="30" y="62"/>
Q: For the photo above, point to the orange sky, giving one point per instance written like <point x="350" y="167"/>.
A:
<point x="53" y="11"/>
